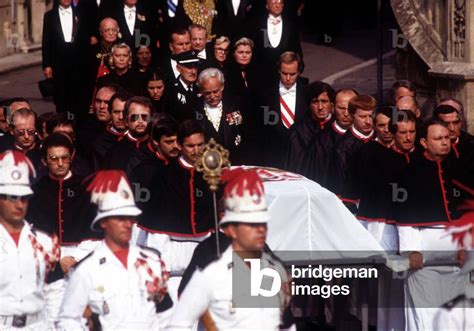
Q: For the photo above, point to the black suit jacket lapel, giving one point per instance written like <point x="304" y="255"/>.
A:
<point x="123" y="22"/>
<point x="300" y="102"/>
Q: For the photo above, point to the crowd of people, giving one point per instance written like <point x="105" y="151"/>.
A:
<point x="113" y="202"/>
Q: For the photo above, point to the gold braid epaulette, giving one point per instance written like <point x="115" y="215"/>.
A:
<point x="201" y="12"/>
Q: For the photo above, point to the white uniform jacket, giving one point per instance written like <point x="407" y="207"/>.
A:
<point x="211" y="289"/>
<point x="117" y="294"/>
<point x="25" y="288"/>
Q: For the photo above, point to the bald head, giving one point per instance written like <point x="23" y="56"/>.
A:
<point x="409" y="103"/>
<point x="109" y="29"/>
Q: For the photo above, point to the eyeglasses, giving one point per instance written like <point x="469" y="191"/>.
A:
<point x="22" y="133"/>
<point x="136" y="117"/>
<point x="55" y="159"/>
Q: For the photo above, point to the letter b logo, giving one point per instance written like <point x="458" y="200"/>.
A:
<point x="257" y="276"/>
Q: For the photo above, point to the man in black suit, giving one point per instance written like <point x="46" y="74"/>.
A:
<point x="234" y="18"/>
<point x="180" y="42"/>
<point x="275" y="34"/>
<point x="184" y="99"/>
<point x="199" y="43"/>
<point x="280" y="108"/>
<point x="62" y="47"/>
<point x="136" y="24"/>
<point x="221" y="119"/>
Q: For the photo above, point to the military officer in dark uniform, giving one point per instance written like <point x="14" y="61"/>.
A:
<point x="184" y="92"/>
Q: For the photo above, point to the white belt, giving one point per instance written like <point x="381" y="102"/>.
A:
<point x="20" y="321"/>
<point x="190" y="239"/>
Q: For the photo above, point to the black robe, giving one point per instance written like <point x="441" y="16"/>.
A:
<point x="430" y="196"/>
<point x="318" y="155"/>
<point x="180" y="203"/>
<point x="340" y="159"/>
<point x="102" y="146"/>
<point x="123" y="155"/>
<point x="372" y="176"/>
<point x="63" y="207"/>
<point x="299" y="140"/>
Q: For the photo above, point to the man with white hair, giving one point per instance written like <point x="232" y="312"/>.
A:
<point x="31" y="279"/>
<point x="220" y="118"/>
<point x="124" y="284"/>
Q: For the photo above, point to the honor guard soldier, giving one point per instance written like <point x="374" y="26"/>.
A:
<point x="210" y="290"/>
<point x="126" y="285"/>
<point x="31" y="281"/>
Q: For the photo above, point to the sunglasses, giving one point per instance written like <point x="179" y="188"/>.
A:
<point x="21" y="133"/>
<point x="136" y="117"/>
<point x="55" y="159"/>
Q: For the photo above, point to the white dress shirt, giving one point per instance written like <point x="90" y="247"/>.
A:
<point x="66" y="17"/>
<point x="275" y="30"/>
<point x="130" y="16"/>
<point x="202" y="54"/>
<point x="235" y="6"/>
<point x="175" y="70"/>
<point x="214" y="114"/>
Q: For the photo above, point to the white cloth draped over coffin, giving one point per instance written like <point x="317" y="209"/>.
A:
<point x="310" y="219"/>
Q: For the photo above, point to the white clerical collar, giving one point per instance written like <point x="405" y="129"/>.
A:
<point x="338" y="128"/>
<point x="185" y="163"/>
<point x="360" y="135"/>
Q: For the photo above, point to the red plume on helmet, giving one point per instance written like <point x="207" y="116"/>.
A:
<point x="112" y="194"/>
<point x="244" y="197"/>
<point x="241" y="180"/>
<point x="462" y="230"/>
<point x="106" y="181"/>
<point x="19" y="157"/>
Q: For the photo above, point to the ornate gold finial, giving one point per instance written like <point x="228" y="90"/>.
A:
<point x="201" y="12"/>
<point x="212" y="160"/>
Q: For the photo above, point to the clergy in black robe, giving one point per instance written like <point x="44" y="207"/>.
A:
<point x="25" y="139"/>
<point x="321" y="148"/>
<point x="137" y="115"/>
<point x="116" y="130"/>
<point x="375" y="170"/>
<point x="320" y="98"/>
<point x="180" y="202"/>
<point x="95" y="124"/>
<point x="360" y="109"/>
<point x="60" y="203"/>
